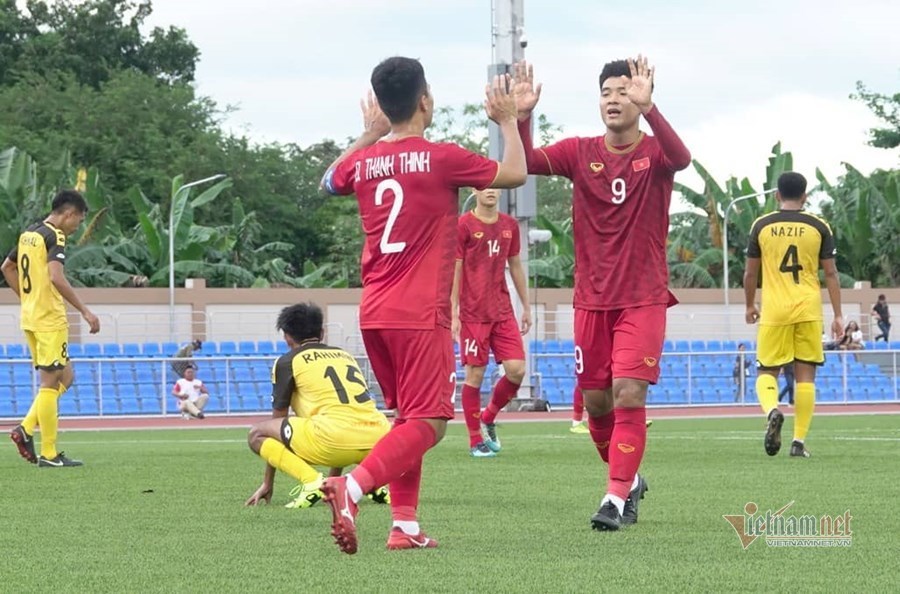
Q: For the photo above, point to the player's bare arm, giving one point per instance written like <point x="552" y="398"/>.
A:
<point x="833" y="284"/>
<point x="59" y="280"/>
<point x="518" y="277"/>
<point x="751" y="279"/>
<point x="527" y="94"/>
<point x="11" y="274"/>
<point x="264" y="492"/>
<point x="454" y="301"/>
<point x="375" y="127"/>
<point x="500" y="106"/>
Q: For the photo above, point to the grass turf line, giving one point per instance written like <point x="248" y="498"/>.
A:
<point x="518" y="522"/>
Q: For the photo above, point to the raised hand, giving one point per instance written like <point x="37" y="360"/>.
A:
<point x="640" y="87"/>
<point x="375" y="122"/>
<point x="500" y="104"/>
<point x="526" y="93"/>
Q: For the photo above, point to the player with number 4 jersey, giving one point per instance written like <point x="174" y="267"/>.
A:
<point x="484" y="320"/>
<point x="790" y="245"/>
<point x="622" y="185"/>
<point x="407" y="190"/>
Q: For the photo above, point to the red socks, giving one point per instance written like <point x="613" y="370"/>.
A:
<point x="405" y="494"/>
<point x="395" y="454"/>
<point x="629" y="438"/>
<point x="577" y="405"/>
<point x="601" y="429"/>
<point x="471" y="405"/>
<point x="504" y="391"/>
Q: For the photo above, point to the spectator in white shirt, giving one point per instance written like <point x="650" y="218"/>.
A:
<point x="192" y="395"/>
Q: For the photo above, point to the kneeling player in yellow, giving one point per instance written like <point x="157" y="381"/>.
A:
<point x="336" y="423"/>
<point x="790" y="245"/>
<point x="34" y="271"/>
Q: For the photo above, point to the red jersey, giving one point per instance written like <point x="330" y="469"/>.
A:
<point x="620" y="212"/>
<point x="484" y="249"/>
<point x="408" y="198"/>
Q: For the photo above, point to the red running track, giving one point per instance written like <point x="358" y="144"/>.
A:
<point x="238" y="421"/>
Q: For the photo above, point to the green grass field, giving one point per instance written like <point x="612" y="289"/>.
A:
<point x="515" y="523"/>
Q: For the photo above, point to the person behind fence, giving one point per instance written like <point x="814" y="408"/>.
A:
<point x="788" y="389"/>
<point x="336" y="422"/>
<point x="183" y="357"/>
<point x="881" y="315"/>
<point x="853" y="338"/>
<point x="740" y="372"/>
<point x="191" y="393"/>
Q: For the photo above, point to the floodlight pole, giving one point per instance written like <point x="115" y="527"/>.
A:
<point x="508" y="47"/>
<point x="172" y="247"/>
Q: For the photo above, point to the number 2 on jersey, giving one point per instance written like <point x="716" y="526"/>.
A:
<point x="387" y="246"/>
<point x="791" y="263"/>
<point x="341" y="390"/>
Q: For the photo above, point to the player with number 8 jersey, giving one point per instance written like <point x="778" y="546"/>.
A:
<point x="622" y="185"/>
<point x="407" y="190"/>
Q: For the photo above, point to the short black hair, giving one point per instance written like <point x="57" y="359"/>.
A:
<point x="614" y="68"/>
<point x="882" y="297"/>
<point x="399" y="83"/>
<point x="791" y="185"/>
<point x="69" y="198"/>
<point x="301" y="321"/>
<point x="198" y="345"/>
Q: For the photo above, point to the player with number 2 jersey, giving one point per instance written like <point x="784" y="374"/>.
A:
<point x="407" y="190"/>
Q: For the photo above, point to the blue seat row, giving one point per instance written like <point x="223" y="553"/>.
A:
<point x="266" y="348"/>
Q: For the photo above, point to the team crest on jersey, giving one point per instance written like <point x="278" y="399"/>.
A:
<point x="506" y="234"/>
<point x="649" y="361"/>
<point x="596" y="167"/>
<point x="641" y="164"/>
<point x="478" y="234"/>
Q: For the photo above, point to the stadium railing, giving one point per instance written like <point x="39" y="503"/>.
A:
<point x="137" y="379"/>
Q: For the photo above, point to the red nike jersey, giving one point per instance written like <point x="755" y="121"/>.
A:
<point x="407" y="192"/>
<point x="484" y="249"/>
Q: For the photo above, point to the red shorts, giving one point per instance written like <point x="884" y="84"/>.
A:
<point x="621" y="343"/>
<point x="416" y="370"/>
<point x="503" y="338"/>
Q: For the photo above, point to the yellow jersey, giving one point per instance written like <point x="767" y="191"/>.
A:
<point x="43" y="308"/>
<point x="790" y="244"/>
<point x="316" y="379"/>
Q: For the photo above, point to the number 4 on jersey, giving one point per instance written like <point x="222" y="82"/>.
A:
<point x="790" y="264"/>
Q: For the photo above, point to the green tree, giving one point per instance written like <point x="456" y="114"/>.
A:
<point x="887" y="109"/>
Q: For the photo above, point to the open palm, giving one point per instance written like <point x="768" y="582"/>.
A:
<point x="640" y="87"/>
<point x="524" y="90"/>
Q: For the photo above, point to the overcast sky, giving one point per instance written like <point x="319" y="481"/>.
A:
<point x="732" y="77"/>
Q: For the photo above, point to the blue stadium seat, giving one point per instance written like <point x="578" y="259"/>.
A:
<point x="698" y="346"/>
<point x="112" y="349"/>
<point x="6" y="378"/>
<point x="87" y="406"/>
<point x="92" y="350"/>
<point x="247" y="347"/>
<point x="567" y="346"/>
<point x="131" y="349"/>
<point x="7" y="408"/>
<point x="267" y="347"/>
<point x="110" y="405"/>
<point x="169" y="348"/>
<point x="281" y="347"/>
<point x="150" y="349"/>
<point x="714" y="345"/>
<point x="68" y="407"/>
<point x="76" y="351"/>
<point x="729" y="345"/>
<point x="130" y="405"/>
<point x="682" y="346"/>
<point x="227" y="348"/>
<point x="15" y="351"/>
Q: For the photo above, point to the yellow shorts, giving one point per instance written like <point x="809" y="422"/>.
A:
<point x="49" y="350"/>
<point x="326" y="442"/>
<point x="779" y="345"/>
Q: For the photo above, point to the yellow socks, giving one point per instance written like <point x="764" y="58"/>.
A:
<point x="767" y="392"/>
<point x="804" y="405"/>
<point x="46" y="405"/>
<point x="276" y="454"/>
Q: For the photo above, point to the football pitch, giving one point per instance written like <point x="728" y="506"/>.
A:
<point x="162" y="511"/>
